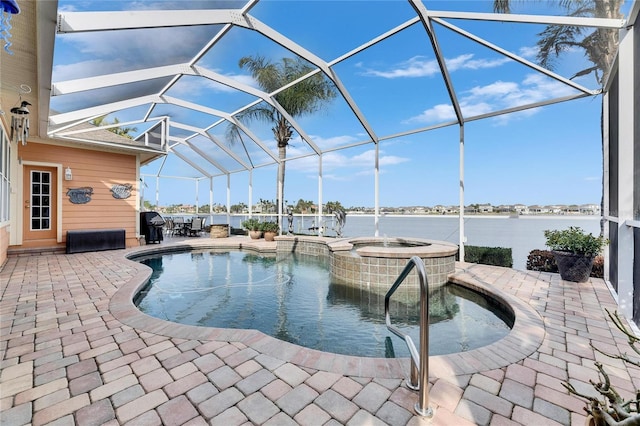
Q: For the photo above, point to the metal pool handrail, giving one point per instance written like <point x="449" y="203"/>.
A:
<point x="419" y="361"/>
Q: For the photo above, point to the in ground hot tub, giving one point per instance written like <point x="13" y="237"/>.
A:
<point x="377" y="262"/>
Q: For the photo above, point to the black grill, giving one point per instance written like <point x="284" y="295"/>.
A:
<point x="151" y="224"/>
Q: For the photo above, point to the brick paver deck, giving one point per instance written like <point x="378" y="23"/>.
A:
<point x="74" y="350"/>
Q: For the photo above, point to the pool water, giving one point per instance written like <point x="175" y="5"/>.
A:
<point x="295" y="299"/>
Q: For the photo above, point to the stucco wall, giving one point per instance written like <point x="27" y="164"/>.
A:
<point x="96" y="170"/>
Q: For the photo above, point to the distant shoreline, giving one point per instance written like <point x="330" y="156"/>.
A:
<point x="482" y="216"/>
<point x="434" y="216"/>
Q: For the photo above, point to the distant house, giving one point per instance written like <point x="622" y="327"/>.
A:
<point x="572" y="209"/>
<point x="536" y="209"/>
<point x="521" y="209"/>
<point x="590" y="209"/>
<point x="453" y="210"/>
<point x="555" y="209"/>
<point x="439" y="209"/>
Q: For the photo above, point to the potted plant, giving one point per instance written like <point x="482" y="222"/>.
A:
<point x="254" y="227"/>
<point x="270" y="230"/>
<point x="574" y="250"/>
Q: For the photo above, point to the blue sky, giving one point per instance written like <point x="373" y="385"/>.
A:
<point x="549" y="155"/>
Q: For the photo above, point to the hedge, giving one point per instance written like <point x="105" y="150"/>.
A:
<point x="497" y="256"/>
<point x="543" y="261"/>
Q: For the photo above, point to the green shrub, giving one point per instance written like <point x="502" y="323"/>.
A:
<point x="497" y="256"/>
<point x="269" y="227"/>
<point x="575" y="240"/>
<point x="251" y="224"/>
<point x="543" y="261"/>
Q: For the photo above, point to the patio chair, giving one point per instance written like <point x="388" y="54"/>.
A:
<point x="169" y="227"/>
<point x="196" y="226"/>
<point x="178" y="226"/>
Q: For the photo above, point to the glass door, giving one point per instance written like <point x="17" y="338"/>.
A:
<point x="39" y="203"/>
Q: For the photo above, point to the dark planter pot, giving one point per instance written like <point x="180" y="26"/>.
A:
<point x="573" y="267"/>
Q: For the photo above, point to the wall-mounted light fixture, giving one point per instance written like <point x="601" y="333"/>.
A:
<point x="67" y="174"/>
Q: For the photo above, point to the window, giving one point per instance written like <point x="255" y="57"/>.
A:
<point x="5" y="175"/>
<point x="40" y="200"/>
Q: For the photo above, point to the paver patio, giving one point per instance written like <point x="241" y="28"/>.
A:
<point x="75" y="352"/>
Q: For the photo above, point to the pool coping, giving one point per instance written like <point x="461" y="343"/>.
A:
<point x="525" y="337"/>
<point x="424" y="248"/>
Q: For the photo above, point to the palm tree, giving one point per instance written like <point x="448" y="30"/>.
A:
<point x="599" y="45"/>
<point x="120" y="131"/>
<point x="306" y="97"/>
<point x="333" y="206"/>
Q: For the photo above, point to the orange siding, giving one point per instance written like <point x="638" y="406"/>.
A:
<point x="97" y="170"/>
<point x="4" y="244"/>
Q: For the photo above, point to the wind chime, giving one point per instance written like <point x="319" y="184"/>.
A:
<point x="7" y="8"/>
<point x="20" y="118"/>
<point x="20" y="123"/>
<point x="19" y="114"/>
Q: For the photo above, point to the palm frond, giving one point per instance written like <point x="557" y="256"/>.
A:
<point x="305" y="97"/>
<point x="599" y="45"/>
<point x="554" y="40"/>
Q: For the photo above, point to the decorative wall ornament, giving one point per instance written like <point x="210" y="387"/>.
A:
<point x="121" y="191"/>
<point x="80" y="195"/>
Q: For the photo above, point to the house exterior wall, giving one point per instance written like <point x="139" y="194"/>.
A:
<point x="4" y="244"/>
<point x="97" y="170"/>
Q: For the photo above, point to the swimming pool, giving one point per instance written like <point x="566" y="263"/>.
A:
<point x="294" y="298"/>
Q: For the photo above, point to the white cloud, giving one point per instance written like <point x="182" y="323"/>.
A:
<point x="135" y="48"/>
<point x="497" y="96"/>
<point x="540" y="83"/>
<point x="420" y="66"/>
<point x="332" y="142"/>
<point x="298" y="147"/>
<point x="367" y="157"/>
<point x="438" y="113"/>
<point x="528" y="52"/>
<point x="67" y="8"/>
<point x="467" y="62"/>
<point x="199" y="85"/>
<point x="473" y="109"/>
<point x="336" y="160"/>
<point x="84" y="69"/>
<point x="493" y="90"/>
